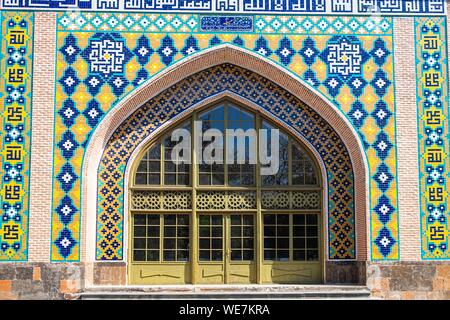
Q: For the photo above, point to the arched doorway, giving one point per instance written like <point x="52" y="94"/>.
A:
<point x="126" y="131"/>
<point x="210" y="223"/>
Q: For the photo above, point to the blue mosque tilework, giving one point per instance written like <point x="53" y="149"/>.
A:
<point x="412" y="7"/>
<point x="189" y="92"/>
<point x="191" y="23"/>
<point x="434" y="136"/>
<point x="96" y="69"/>
<point x="15" y="101"/>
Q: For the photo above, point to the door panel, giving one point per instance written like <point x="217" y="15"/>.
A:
<point x="160" y="274"/>
<point x="211" y="267"/>
<point x="241" y="267"/>
<point x="226" y="249"/>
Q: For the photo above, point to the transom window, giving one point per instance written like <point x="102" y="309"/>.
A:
<point x="156" y="166"/>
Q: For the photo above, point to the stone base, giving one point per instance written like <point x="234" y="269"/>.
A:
<point x="41" y="280"/>
<point x="385" y="280"/>
<point x="409" y="280"/>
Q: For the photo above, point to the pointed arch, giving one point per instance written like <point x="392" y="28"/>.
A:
<point x="204" y="60"/>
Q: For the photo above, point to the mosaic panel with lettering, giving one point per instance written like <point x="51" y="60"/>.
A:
<point x="433" y="117"/>
<point x="319" y="7"/>
<point x="15" y="104"/>
<point x="101" y="58"/>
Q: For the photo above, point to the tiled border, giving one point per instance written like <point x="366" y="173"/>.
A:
<point x="16" y="70"/>
<point x="433" y="128"/>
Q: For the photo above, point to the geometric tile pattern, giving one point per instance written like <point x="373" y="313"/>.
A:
<point x="192" y="90"/>
<point x="191" y="23"/>
<point x="354" y="71"/>
<point x="15" y="101"/>
<point x="323" y="7"/>
<point x="434" y="135"/>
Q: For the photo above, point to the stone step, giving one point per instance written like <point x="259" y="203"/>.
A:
<point x="228" y="292"/>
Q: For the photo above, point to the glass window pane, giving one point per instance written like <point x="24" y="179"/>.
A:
<point x="155" y="152"/>
<point x="269" y="243"/>
<point x="183" y="255"/>
<point x="153" y="219"/>
<point x="139" y="255"/>
<point x="283" y="243"/>
<point x="170" y="219"/>
<point x="269" y="219"/>
<point x="312" y="243"/>
<point x="236" y="243"/>
<point x="169" y="255"/>
<point x="204" y="244"/>
<point x="299" y="231"/>
<point x="236" y="255"/>
<point x="141" y="178"/>
<point x="204" y="220"/>
<point x="183" y="179"/>
<point x="283" y="255"/>
<point x="204" y="232"/>
<point x="182" y="244"/>
<point x="169" y="244"/>
<point x="205" y="179"/>
<point x="139" y="243"/>
<point x="282" y="231"/>
<point x="217" y="231"/>
<point x="152" y="255"/>
<point x="169" y="166"/>
<point x="299" y="219"/>
<point x="139" y="219"/>
<point x="183" y="219"/>
<point x="216" y="244"/>
<point x="216" y="255"/>
<point x="154" y="179"/>
<point x="299" y="243"/>
<point x="218" y="179"/>
<point x="153" y="231"/>
<point x="142" y="166"/>
<point x="139" y="231"/>
<point x="311" y="231"/>
<point x="216" y="220"/>
<point x="282" y="219"/>
<point x="153" y="243"/>
<point x="311" y="219"/>
<point x="205" y="255"/>
<point x="154" y="166"/>
<point x="235" y="231"/>
<point x="312" y="255"/>
<point x="269" y="231"/>
<point x="248" y="255"/>
<point x="169" y="232"/>
<point x="300" y="255"/>
<point x="269" y="255"/>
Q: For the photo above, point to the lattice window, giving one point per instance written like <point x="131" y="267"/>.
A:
<point x="157" y="200"/>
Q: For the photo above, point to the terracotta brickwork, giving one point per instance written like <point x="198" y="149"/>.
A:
<point x="406" y="113"/>
<point x="42" y="137"/>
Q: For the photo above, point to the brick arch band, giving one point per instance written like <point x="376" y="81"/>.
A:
<point x="276" y="101"/>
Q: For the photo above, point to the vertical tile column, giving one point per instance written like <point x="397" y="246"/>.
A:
<point x="42" y="136"/>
